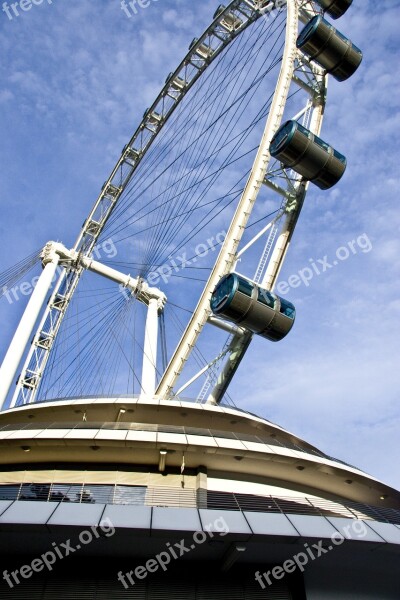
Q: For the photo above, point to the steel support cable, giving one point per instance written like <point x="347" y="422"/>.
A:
<point x="218" y="202"/>
<point x="134" y="181"/>
<point x="89" y="335"/>
<point x="141" y="216"/>
<point x="229" y="164"/>
<point x="112" y="368"/>
<point x="130" y="264"/>
<point x="198" y="355"/>
<point x="11" y="276"/>
<point x="175" y="216"/>
<point x="119" y="335"/>
<point x="214" y="177"/>
<point x="172" y="175"/>
<point x="132" y="327"/>
<point x="69" y="331"/>
<point x="196" y="231"/>
<point x="196" y="152"/>
<point x="78" y="345"/>
<point x="87" y="361"/>
<point x="100" y="374"/>
<point x="58" y="357"/>
<point x="199" y="359"/>
<point x="259" y="220"/>
<point x="202" y="82"/>
<point x="201" y="206"/>
<point x="179" y="226"/>
<point x="31" y="259"/>
<point x="203" y="223"/>
<point x="219" y="122"/>
<point x="256" y="121"/>
<point x="103" y="355"/>
<point x="138" y="219"/>
<point x="97" y="291"/>
<point x="190" y="259"/>
<point x="128" y="362"/>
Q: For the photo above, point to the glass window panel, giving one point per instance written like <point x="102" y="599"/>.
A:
<point x="266" y="298"/>
<point x="64" y="492"/>
<point x="245" y="286"/>
<point x="304" y="131"/>
<point x="321" y="143"/>
<point x="9" y="492"/>
<point x="288" y="309"/>
<point x="35" y="491"/>
<point x="339" y="156"/>
<point x="100" y="494"/>
<point x="128" y="494"/>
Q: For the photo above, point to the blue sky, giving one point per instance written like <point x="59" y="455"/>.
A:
<point x="76" y="78"/>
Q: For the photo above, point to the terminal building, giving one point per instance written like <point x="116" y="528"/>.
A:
<point x="149" y="499"/>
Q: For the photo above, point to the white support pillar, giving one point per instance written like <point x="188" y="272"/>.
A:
<point x="150" y="350"/>
<point x="12" y="359"/>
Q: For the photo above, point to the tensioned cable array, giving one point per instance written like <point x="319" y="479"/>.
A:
<point x="203" y="149"/>
<point x="15" y="273"/>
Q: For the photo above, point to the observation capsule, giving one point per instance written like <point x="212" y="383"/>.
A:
<point x="307" y="154"/>
<point x="244" y="303"/>
<point x="329" y="48"/>
<point x="335" y="8"/>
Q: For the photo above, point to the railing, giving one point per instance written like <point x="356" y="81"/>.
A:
<point x="191" y="498"/>
<point x="273" y="440"/>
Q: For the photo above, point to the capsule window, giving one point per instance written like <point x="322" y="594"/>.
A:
<point x="321" y="143"/>
<point x="339" y="156"/>
<point x="222" y="292"/>
<point x="340" y="34"/>
<point x="266" y="298"/>
<point x="287" y="309"/>
<point x="304" y="131"/>
<point x="245" y="287"/>
<point x="282" y="135"/>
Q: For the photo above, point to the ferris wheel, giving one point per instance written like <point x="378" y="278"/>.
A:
<point x="219" y="166"/>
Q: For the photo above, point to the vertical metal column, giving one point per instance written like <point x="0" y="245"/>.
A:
<point x="9" y="368"/>
<point x="150" y="350"/>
